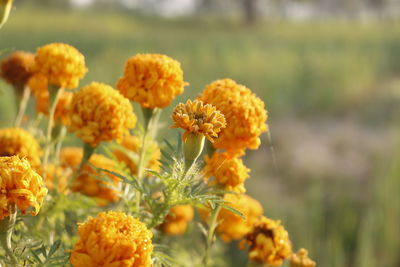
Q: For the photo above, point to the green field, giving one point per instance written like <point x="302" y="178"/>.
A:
<point x="333" y="84"/>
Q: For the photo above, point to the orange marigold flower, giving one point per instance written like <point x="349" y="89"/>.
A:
<point x="90" y="182"/>
<point x="129" y="155"/>
<point x="100" y="113"/>
<point x="62" y="64"/>
<point x="301" y="259"/>
<point x="152" y="80"/>
<point x="244" y="112"/>
<point x="268" y="242"/>
<point x="18" y="142"/>
<point x="177" y="220"/>
<point x="228" y="172"/>
<point x="112" y="239"/>
<point x="17" y="68"/>
<point x="19" y="185"/>
<point x="56" y="178"/>
<point x="232" y="226"/>
<point x="195" y="117"/>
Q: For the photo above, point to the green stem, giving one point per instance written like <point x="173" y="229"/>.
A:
<point x="211" y="231"/>
<point x="6" y="230"/>
<point x="22" y="106"/>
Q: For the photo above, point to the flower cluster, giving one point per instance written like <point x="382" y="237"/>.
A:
<point x="177" y="220"/>
<point x="100" y="113"/>
<point x="112" y="239"/>
<point x="152" y="80"/>
<point x="20" y="185"/>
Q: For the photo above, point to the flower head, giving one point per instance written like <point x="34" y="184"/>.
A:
<point x="56" y="178"/>
<point x="228" y="172"/>
<point x="62" y="64"/>
<point x="17" y="68"/>
<point x="112" y="239"/>
<point x="232" y="226"/>
<point x="152" y="80"/>
<point x="301" y="259"/>
<point x="19" y="185"/>
<point x="244" y="112"/>
<point x="268" y="242"/>
<point x="90" y="182"/>
<point x="177" y="220"/>
<point x="129" y="154"/>
<point x="18" y="142"/>
<point x="100" y="113"/>
<point x="197" y="118"/>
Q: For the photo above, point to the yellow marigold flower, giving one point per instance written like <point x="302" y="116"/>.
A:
<point x="228" y="172"/>
<point x="100" y="113"/>
<point x="268" y="242"/>
<point x="130" y="155"/>
<point x="90" y="182"/>
<point x="56" y="173"/>
<point x="301" y="259"/>
<point x="19" y="185"/>
<point x="112" y="239"/>
<point x="152" y="80"/>
<point x="62" y="64"/>
<point x="244" y="112"/>
<point x="195" y="117"/>
<point x="18" y="142"/>
<point x="177" y="220"/>
<point x="17" y="68"/>
<point x="232" y="226"/>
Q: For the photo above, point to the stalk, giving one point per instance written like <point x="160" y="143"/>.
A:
<point x="210" y="235"/>
<point x="22" y="106"/>
<point x="6" y="230"/>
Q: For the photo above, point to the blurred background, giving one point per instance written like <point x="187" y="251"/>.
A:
<point x="328" y="71"/>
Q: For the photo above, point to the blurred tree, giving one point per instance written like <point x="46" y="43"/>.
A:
<point x="250" y="11"/>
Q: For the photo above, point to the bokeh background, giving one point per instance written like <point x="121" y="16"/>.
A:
<point x="328" y="71"/>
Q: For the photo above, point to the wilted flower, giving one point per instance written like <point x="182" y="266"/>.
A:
<point x="244" y="112"/>
<point x="18" y="142"/>
<point x="62" y="64"/>
<point x="100" y="113"/>
<point x="301" y="259"/>
<point x="268" y="242"/>
<point x="177" y="220"/>
<point x="19" y="185"/>
<point x="199" y="119"/>
<point x="228" y="172"/>
<point x="90" y="181"/>
<point x="17" y="68"/>
<point x="112" y="239"/>
<point x="152" y="80"/>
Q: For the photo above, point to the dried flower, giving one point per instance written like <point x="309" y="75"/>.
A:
<point x="228" y="172"/>
<point x="19" y="185"/>
<point x="177" y="220"/>
<point x="62" y="64"/>
<point x="199" y="119"/>
<point x="112" y="239"/>
<point x="18" y="142"/>
<point x="244" y="112"/>
<point x="100" y="113"/>
<point x="268" y="242"/>
<point x="301" y="259"/>
<point x="90" y="182"/>
<point x="17" y="68"/>
<point x="152" y="80"/>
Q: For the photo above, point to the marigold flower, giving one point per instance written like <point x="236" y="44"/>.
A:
<point x="268" y="242"/>
<point x="130" y="155"/>
<point x="152" y="80"/>
<point x="244" y="112"/>
<point x="62" y="64"/>
<point x="18" y="142"/>
<point x="112" y="239"/>
<point x="177" y="220"/>
<point x="197" y="118"/>
<point x="100" y="113"/>
<point x="19" y="185"/>
<point x="228" y="172"/>
<point x="301" y="259"/>
<point x="232" y="226"/>
<point x="17" y="68"/>
<point x="90" y="182"/>
<point x="55" y="173"/>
